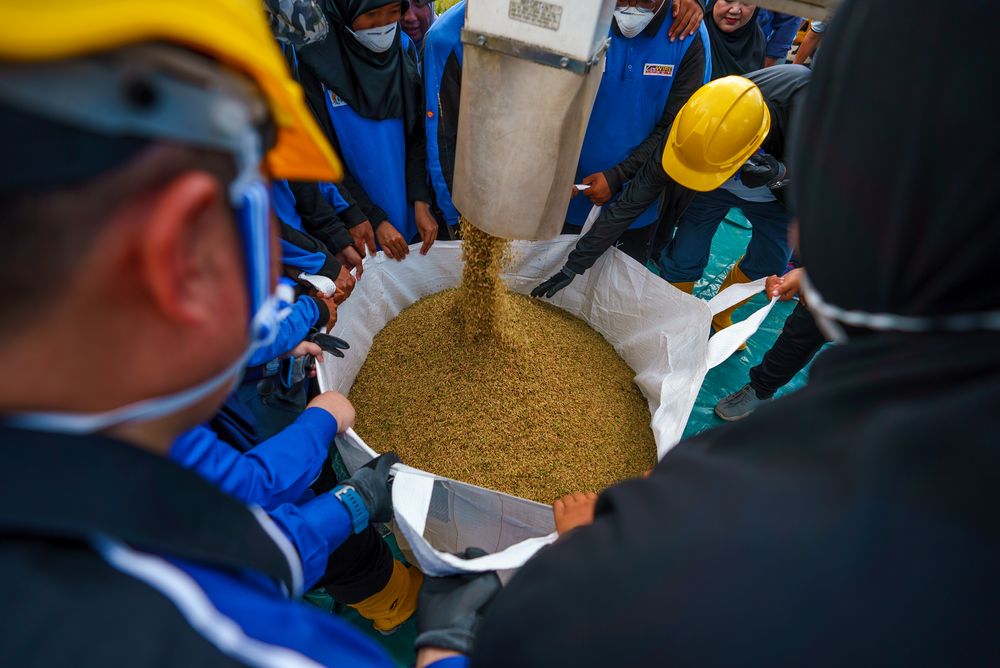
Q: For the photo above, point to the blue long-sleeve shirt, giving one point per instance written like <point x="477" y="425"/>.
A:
<point x="780" y="31"/>
<point x="278" y="470"/>
<point x="312" y="258"/>
<point x="275" y="475"/>
<point x="310" y="262"/>
<point x="292" y="330"/>
<point x="316" y="529"/>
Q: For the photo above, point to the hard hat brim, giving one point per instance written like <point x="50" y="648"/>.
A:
<point x="692" y="179"/>
<point x="231" y="32"/>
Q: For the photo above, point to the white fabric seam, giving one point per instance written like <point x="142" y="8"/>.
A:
<point x="197" y="608"/>
<point x="287" y="549"/>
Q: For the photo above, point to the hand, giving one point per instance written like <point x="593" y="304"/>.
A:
<point x="345" y="284"/>
<point x="428" y="656"/>
<point x="550" y="287"/>
<point x="688" y="15"/>
<point x="337" y="405"/>
<point x="427" y="226"/>
<point x="330" y="344"/>
<point x="599" y="191"/>
<point x="392" y="242"/>
<point x="373" y="485"/>
<point x="350" y="258"/>
<point x="331" y="302"/>
<point x="450" y="608"/>
<point x="306" y="348"/>
<point x="574" y="510"/>
<point x="762" y="170"/>
<point x="364" y="238"/>
<point x="785" y="287"/>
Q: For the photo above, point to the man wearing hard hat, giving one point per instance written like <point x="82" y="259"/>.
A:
<point x="723" y="150"/>
<point x="137" y="279"/>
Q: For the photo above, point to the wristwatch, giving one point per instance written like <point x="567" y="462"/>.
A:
<point x="355" y="505"/>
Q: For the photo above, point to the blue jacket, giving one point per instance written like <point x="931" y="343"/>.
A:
<point x="333" y="197"/>
<point x="638" y="76"/>
<point x="299" y="248"/>
<point x="275" y="475"/>
<point x="128" y="559"/>
<point x="283" y="202"/>
<point x="311" y="262"/>
<point x="442" y="43"/>
<point x="292" y="330"/>
<point x="278" y="470"/>
<point x="780" y="31"/>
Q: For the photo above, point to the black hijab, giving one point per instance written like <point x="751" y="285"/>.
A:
<point x="736" y="52"/>
<point x="896" y="158"/>
<point x="375" y="85"/>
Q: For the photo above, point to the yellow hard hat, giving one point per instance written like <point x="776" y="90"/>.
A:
<point x="715" y="132"/>
<point x="233" y="32"/>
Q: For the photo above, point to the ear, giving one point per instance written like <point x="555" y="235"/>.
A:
<point x="188" y="241"/>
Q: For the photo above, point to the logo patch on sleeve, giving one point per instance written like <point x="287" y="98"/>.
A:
<point x="336" y="100"/>
<point x="654" y="70"/>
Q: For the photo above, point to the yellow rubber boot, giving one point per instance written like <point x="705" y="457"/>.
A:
<point x="685" y="286"/>
<point x="724" y="319"/>
<point x="396" y="602"/>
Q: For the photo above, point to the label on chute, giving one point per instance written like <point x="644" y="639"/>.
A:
<point x="537" y="13"/>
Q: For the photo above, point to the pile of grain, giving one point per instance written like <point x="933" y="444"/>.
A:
<point x="501" y="390"/>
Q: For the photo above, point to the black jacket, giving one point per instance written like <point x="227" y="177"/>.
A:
<point x="63" y="604"/>
<point x="852" y="523"/>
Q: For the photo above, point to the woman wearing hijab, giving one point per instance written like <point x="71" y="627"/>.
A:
<point x="738" y="43"/>
<point x="363" y="84"/>
<point x="853" y="523"/>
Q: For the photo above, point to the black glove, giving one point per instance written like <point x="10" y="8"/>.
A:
<point x="554" y="284"/>
<point x="762" y="170"/>
<point x="449" y="608"/>
<point x="330" y="344"/>
<point x="372" y="483"/>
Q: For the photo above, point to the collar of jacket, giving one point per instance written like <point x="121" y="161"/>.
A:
<point x="75" y="487"/>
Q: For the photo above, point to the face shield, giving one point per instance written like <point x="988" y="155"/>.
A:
<point x="162" y="93"/>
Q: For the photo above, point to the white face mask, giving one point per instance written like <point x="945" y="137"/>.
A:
<point x="830" y="319"/>
<point x="377" y="39"/>
<point x="633" y="20"/>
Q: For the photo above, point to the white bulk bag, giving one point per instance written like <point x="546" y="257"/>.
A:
<point x="659" y="331"/>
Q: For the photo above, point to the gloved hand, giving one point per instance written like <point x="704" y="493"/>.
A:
<point x="550" y="287"/>
<point x="762" y="170"/>
<point x="450" y="608"/>
<point x="372" y="484"/>
<point x="330" y="344"/>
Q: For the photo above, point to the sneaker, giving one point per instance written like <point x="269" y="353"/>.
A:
<point x="739" y="404"/>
